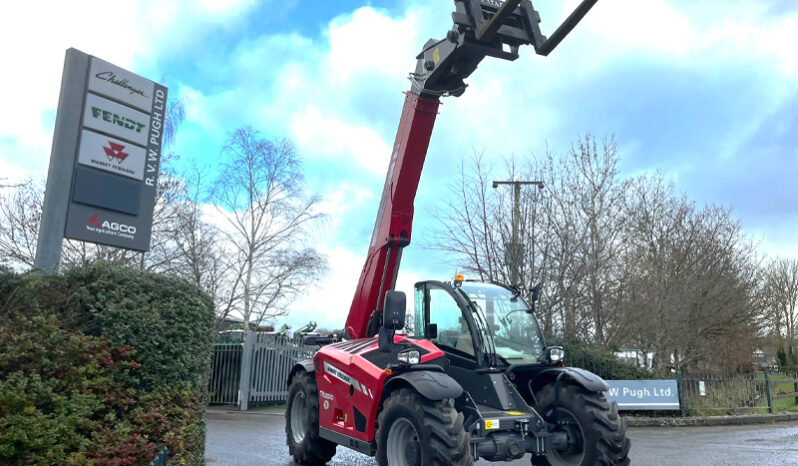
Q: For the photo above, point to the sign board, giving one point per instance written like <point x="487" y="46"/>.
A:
<point x="116" y="120"/>
<point x="105" y="160"/>
<point x="121" y="85"/>
<point x="644" y="394"/>
<point x="112" y="155"/>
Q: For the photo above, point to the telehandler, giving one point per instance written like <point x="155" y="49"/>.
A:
<point x="475" y="379"/>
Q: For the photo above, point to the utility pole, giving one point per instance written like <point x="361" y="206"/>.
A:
<point x="516" y="249"/>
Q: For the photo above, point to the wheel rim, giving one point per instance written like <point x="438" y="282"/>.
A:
<point x="403" y="447"/>
<point x="299" y="417"/>
<point x="575" y="453"/>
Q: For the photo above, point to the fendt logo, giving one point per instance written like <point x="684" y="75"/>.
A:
<point x="119" y="120"/>
<point x="115" y="152"/>
<point x="110" y="228"/>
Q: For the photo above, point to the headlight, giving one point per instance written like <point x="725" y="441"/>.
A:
<point x="556" y="354"/>
<point x="410" y="357"/>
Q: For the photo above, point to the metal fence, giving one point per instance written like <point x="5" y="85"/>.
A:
<point x="755" y="392"/>
<point x="254" y="369"/>
<point x="225" y="373"/>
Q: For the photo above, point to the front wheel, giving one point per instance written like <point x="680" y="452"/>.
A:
<point x="413" y="430"/>
<point x="302" y="423"/>
<point x="596" y="433"/>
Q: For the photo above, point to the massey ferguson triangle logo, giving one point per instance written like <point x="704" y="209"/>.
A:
<point x="115" y="152"/>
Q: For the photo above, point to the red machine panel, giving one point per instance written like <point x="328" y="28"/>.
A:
<point x="353" y="375"/>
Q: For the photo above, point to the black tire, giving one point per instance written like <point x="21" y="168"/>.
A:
<point x="598" y="431"/>
<point x="304" y="444"/>
<point x="437" y="427"/>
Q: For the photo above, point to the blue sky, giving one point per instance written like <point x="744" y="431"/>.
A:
<point x="705" y="91"/>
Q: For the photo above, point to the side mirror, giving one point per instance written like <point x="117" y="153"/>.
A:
<point x="552" y="355"/>
<point x="393" y="319"/>
<point x="393" y="310"/>
<point x="431" y="332"/>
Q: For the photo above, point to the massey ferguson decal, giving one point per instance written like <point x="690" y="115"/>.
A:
<point x="347" y="379"/>
<point x="110" y="228"/>
<point x="114" y="152"/>
<point x="112" y="155"/>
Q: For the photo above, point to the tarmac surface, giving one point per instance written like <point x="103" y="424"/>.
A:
<point x="257" y="437"/>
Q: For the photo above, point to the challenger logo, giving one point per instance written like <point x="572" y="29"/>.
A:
<point x="115" y="152"/>
<point x="110" y="228"/>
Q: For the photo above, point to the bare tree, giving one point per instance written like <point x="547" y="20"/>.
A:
<point x="20" y="214"/>
<point x="586" y="228"/>
<point x="268" y="213"/>
<point x="692" y="278"/>
<point x="571" y="233"/>
<point x="626" y="262"/>
<point x="780" y="295"/>
<point x="198" y="251"/>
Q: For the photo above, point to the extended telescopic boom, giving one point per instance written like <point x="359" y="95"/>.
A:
<point x="482" y="28"/>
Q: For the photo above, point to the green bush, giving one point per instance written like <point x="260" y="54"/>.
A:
<point x="103" y="365"/>
<point x="165" y="318"/>
<point x="601" y="361"/>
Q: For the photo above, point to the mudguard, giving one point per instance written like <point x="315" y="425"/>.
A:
<point x="305" y="365"/>
<point x="586" y="379"/>
<point x="432" y="385"/>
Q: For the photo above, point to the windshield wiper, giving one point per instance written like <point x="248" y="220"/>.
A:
<point x="505" y="319"/>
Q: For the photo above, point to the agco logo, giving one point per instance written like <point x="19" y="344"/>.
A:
<point x="111" y="227"/>
<point x="115" y="152"/>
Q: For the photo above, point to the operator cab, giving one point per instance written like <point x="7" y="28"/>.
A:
<point x="478" y="324"/>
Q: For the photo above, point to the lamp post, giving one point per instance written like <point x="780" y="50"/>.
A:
<point x="515" y="246"/>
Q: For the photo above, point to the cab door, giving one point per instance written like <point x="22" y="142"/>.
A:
<point x="435" y="303"/>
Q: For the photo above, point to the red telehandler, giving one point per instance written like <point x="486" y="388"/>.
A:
<point x="476" y="379"/>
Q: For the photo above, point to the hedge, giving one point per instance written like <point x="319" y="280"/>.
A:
<point x="102" y="365"/>
<point x="601" y="361"/>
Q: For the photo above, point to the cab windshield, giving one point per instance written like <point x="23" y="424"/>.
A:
<point x="514" y="329"/>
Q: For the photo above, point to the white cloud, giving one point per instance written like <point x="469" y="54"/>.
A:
<point x="328" y="137"/>
<point x="129" y="34"/>
<point x="369" y="42"/>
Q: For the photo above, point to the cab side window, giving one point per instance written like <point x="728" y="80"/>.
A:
<point x="453" y="329"/>
<point x="419" y="326"/>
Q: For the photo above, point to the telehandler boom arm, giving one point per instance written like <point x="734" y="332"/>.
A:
<point x="481" y="28"/>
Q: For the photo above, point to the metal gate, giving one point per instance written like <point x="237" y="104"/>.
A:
<point x="254" y="371"/>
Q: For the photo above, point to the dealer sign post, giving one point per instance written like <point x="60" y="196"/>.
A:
<point x="105" y="159"/>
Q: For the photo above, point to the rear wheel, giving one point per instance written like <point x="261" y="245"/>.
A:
<point x="596" y="433"/>
<point x="413" y="431"/>
<point x="302" y="423"/>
